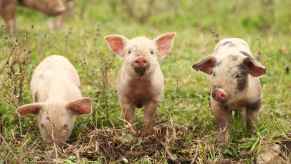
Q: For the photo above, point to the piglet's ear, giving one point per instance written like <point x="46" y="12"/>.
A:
<point x="80" y="106"/>
<point x="164" y="43"/>
<point x="254" y="67"/>
<point x="29" y="109"/>
<point x="205" y="65"/>
<point x="116" y="43"/>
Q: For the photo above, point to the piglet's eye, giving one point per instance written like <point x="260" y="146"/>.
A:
<point x="152" y="52"/>
<point x="214" y="74"/>
<point x="129" y="51"/>
<point x="237" y="76"/>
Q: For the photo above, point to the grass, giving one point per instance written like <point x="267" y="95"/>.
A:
<point x="187" y="128"/>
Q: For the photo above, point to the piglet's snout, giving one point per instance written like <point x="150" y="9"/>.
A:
<point x="140" y="65"/>
<point x="219" y="95"/>
<point x="141" y="62"/>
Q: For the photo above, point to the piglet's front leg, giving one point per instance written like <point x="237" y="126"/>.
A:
<point x="252" y="110"/>
<point x="149" y="118"/>
<point x="128" y="115"/>
<point x="222" y="116"/>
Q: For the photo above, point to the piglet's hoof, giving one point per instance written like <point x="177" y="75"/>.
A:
<point x="132" y="131"/>
<point x="146" y="133"/>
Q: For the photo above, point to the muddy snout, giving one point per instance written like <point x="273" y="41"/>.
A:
<point x="140" y="66"/>
<point x="219" y="95"/>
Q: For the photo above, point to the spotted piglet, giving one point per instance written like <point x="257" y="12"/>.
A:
<point x="57" y="99"/>
<point x="140" y="82"/>
<point x="235" y="84"/>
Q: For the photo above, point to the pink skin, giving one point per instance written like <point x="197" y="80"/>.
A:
<point x="57" y="99"/>
<point x="140" y="65"/>
<point x="141" y="62"/>
<point x="140" y="82"/>
<point x="234" y="75"/>
<point x="219" y="95"/>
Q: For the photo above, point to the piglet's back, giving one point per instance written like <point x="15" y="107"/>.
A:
<point x="54" y="68"/>
<point x="231" y="46"/>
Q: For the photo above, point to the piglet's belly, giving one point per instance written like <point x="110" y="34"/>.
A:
<point x="139" y="99"/>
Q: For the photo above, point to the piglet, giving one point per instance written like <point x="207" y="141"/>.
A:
<point x="48" y="7"/>
<point x="140" y="82"/>
<point x="235" y="84"/>
<point x="57" y="99"/>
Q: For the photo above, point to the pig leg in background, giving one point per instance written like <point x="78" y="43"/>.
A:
<point x="8" y="15"/>
<point x="149" y="118"/>
<point x="58" y="22"/>
<point x="251" y="117"/>
<point x="223" y="117"/>
<point x="128" y="115"/>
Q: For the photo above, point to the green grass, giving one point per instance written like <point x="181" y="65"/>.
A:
<point x="185" y="110"/>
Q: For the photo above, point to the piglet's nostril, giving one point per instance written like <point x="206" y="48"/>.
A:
<point x="141" y="61"/>
<point x="219" y="95"/>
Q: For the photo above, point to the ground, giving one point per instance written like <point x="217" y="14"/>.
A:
<point x="185" y="127"/>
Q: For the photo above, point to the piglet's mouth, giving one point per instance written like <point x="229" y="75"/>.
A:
<point x="140" y="70"/>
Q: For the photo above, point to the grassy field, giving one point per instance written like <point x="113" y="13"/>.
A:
<point x="186" y="125"/>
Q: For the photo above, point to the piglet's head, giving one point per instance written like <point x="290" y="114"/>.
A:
<point x="141" y="54"/>
<point x="56" y="120"/>
<point x="230" y="75"/>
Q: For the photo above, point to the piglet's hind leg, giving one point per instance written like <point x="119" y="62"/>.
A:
<point x="149" y="118"/>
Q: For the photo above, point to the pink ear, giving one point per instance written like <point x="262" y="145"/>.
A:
<point x="205" y="65"/>
<point x="255" y="68"/>
<point x="29" y="109"/>
<point x="116" y="43"/>
<point x="80" y="106"/>
<point x="164" y="43"/>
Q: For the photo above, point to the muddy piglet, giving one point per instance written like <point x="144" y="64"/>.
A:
<point x="235" y="84"/>
<point x="141" y="81"/>
<point x="48" y="7"/>
<point x="57" y="99"/>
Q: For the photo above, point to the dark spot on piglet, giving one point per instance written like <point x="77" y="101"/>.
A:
<point x="242" y="77"/>
<point x="228" y="43"/>
<point x="242" y="83"/>
<point x="245" y="53"/>
<point x="254" y="105"/>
